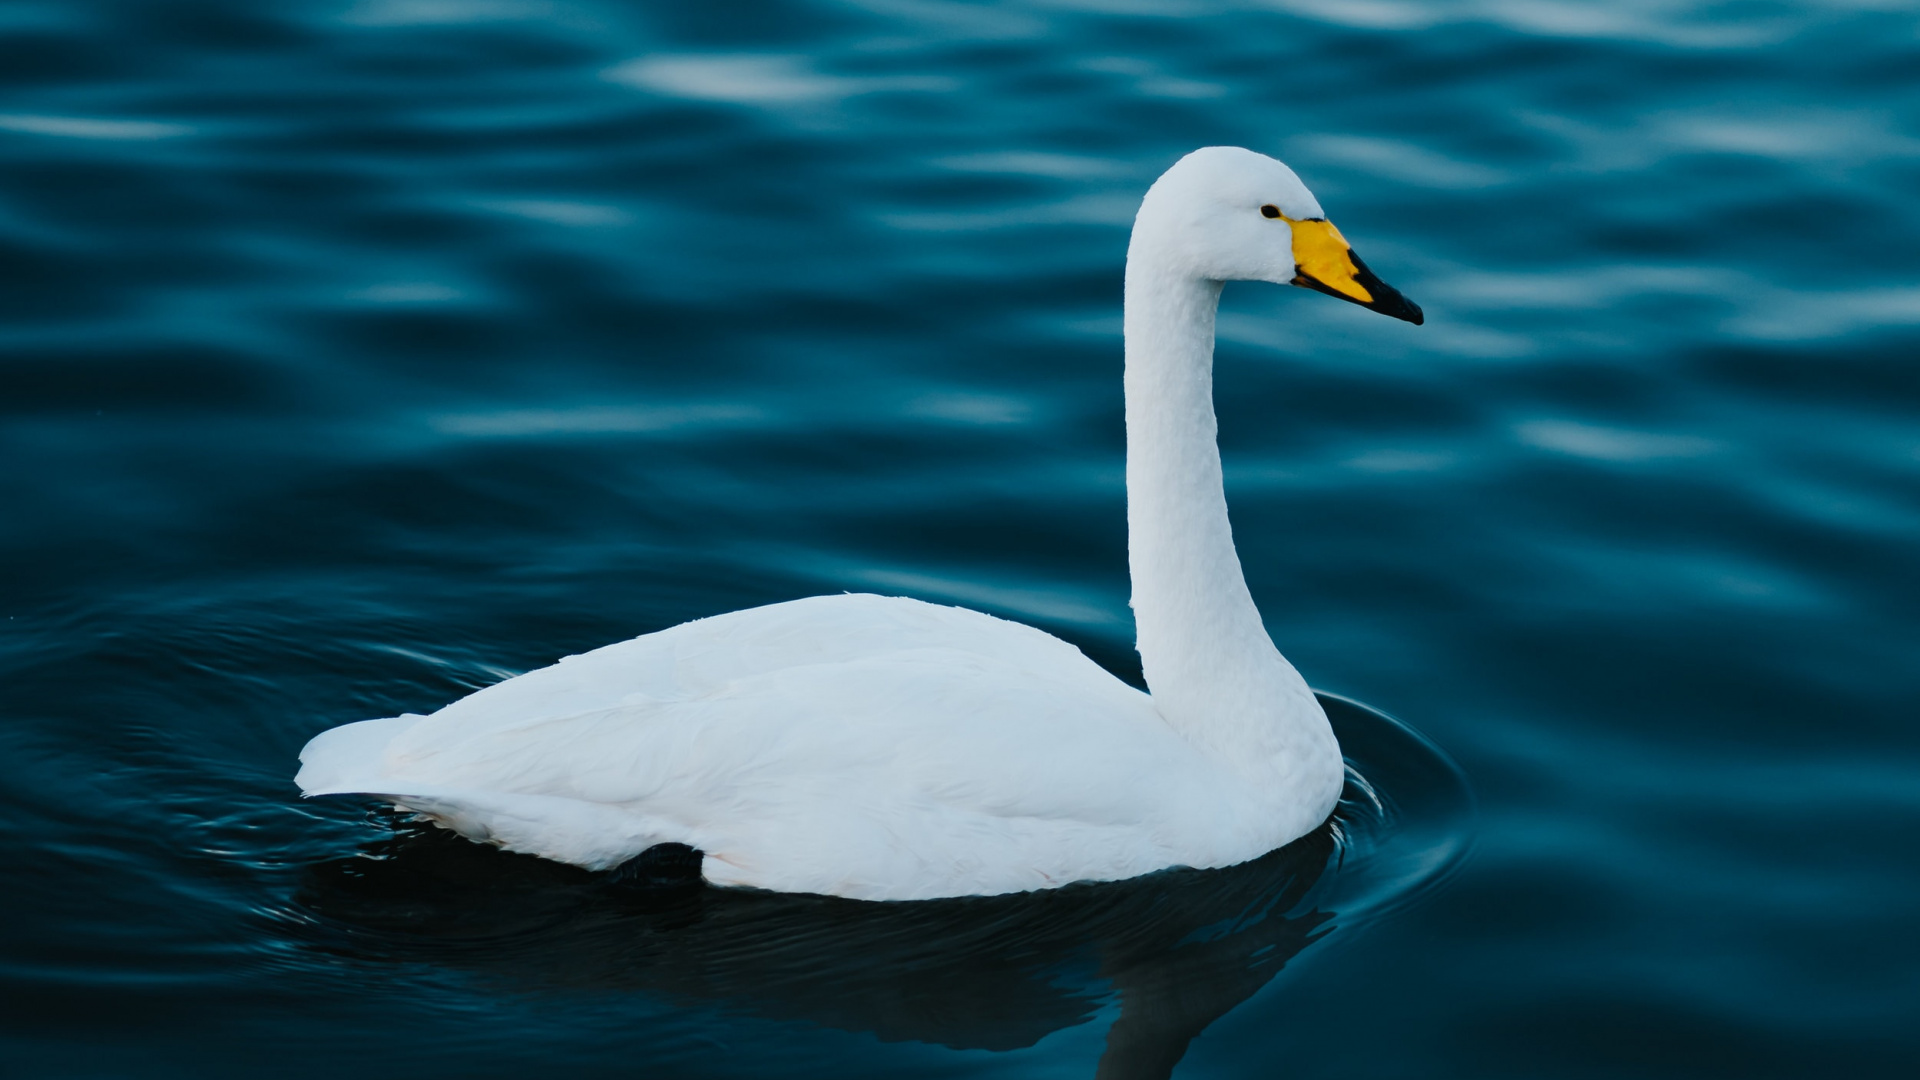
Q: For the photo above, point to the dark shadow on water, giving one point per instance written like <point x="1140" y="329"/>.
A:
<point x="1177" y="950"/>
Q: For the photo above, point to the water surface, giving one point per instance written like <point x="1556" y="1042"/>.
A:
<point x="355" y="355"/>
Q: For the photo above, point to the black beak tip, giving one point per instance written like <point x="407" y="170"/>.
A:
<point x="1386" y="299"/>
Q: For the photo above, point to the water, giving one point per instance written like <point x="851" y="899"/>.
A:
<point x="356" y="355"/>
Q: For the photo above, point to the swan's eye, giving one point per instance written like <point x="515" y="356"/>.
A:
<point x="1269" y="210"/>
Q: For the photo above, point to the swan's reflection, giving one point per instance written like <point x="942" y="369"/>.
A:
<point x="1178" y="949"/>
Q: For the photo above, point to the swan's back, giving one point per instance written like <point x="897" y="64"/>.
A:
<point x="702" y="658"/>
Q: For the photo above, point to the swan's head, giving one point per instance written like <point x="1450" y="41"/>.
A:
<point x="1229" y="214"/>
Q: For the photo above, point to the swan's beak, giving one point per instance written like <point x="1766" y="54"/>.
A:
<point x="1324" y="262"/>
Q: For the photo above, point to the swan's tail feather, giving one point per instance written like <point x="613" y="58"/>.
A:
<point x="342" y="760"/>
<point x="348" y="760"/>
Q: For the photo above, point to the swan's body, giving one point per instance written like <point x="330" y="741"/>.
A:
<point x="855" y="745"/>
<point x="884" y="748"/>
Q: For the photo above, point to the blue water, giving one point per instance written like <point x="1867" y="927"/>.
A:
<point x="356" y="355"/>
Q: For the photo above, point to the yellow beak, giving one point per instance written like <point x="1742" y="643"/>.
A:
<point x="1324" y="262"/>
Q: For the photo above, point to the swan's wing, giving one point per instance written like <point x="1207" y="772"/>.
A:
<point x="660" y="679"/>
<point x="703" y="658"/>
<point x="921" y="772"/>
<point x="854" y="745"/>
<point x="946" y="725"/>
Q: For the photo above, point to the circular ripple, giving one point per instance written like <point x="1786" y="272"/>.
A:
<point x="1404" y="821"/>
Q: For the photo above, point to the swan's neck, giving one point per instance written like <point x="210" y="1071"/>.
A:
<point x="1213" y="671"/>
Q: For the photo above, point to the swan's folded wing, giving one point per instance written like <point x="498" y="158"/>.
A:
<point x="883" y="763"/>
<point x="706" y="657"/>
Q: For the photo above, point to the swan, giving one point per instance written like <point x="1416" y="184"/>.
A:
<point x="884" y="748"/>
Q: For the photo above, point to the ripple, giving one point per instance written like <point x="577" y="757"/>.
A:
<point x="757" y="80"/>
<point x="1610" y="444"/>
<point x="79" y="127"/>
<point x="595" y="420"/>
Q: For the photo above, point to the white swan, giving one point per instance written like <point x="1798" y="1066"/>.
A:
<point x="888" y="749"/>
